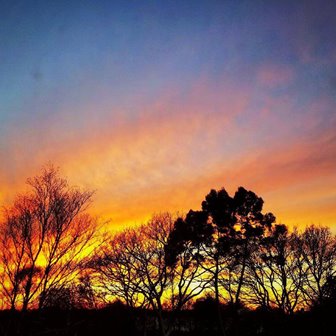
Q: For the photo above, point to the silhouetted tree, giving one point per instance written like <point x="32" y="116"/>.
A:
<point x="116" y="270"/>
<point x="45" y="234"/>
<point x="133" y="266"/>
<point x="227" y="228"/>
<point x="228" y="252"/>
<point x="141" y="267"/>
<point x="329" y="291"/>
<point x="60" y="298"/>
<point x="75" y="295"/>
<point x="184" y="257"/>
<point x="318" y="248"/>
<point x="85" y="293"/>
<point x="15" y="262"/>
<point x="276" y="272"/>
<point x="243" y="228"/>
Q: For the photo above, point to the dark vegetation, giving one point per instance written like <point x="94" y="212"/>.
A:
<point x="227" y="269"/>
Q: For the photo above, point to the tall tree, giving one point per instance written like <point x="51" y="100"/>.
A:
<point x="48" y="231"/>
<point x="240" y="225"/>
<point x="184" y="257"/>
<point x="227" y="228"/>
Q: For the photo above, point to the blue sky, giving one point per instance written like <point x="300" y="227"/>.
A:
<point x="140" y="98"/>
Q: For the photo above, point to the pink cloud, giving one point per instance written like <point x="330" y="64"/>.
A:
<point x="126" y="157"/>
<point x="174" y="148"/>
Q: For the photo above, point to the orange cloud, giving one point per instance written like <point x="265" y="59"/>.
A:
<point x="123" y="157"/>
<point x="166" y="154"/>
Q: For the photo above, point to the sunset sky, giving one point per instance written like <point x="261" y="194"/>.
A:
<point x="153" y="103"/>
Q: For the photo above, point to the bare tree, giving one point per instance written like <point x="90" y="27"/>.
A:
<point x="138" y="266"/>
<point x="14" y="259"/>
<point x="168" y="277"/>
<point x="132" y="268"/>
<point x="115" y="270"/>
<point x="187" y="278"/>
<point x="318" y="248"/>
<point x="276" y="272"/>
<point x="49" y="232"/>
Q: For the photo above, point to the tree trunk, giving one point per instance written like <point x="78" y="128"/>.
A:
<point x="12" y="308"/>
<point x="219" y="314"/>
<point x="241" y="278"/>
<point x="161" y="324"/>
<point x="27" y="294"/>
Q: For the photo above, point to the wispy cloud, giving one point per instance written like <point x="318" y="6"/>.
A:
<point x="154" y="112"/>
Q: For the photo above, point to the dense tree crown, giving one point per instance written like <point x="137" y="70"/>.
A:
<point x="229" y="251"/>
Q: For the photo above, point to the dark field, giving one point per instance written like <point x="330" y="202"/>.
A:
<point x="118" y="320"/>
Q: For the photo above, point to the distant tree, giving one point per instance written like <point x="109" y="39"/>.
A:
<point x="60" y="298"/>
<point x="75" y="295"/>
<point x="329" y="291"/>
<point x="85" y="293"/>
<point x="44" y="236"/>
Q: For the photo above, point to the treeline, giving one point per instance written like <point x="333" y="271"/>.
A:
<point x="53" y="255"/>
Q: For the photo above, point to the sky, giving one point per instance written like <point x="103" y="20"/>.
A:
<point x="154" y="103"/>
